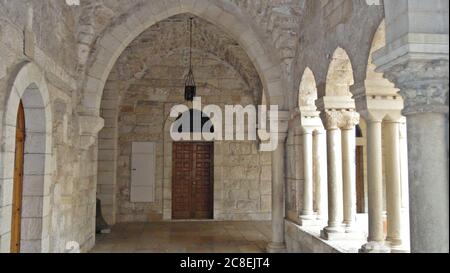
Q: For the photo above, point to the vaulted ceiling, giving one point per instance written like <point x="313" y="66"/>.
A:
<point x="172" y="35"/>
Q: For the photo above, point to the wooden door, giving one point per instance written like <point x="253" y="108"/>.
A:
<point x="360" y="200"/>
<point x="18" y="181"/>
<point x="192" y="183"/>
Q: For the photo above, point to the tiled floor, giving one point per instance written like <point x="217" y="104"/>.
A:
<point x="186" y="237"/>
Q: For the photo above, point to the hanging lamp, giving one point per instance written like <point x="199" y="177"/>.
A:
<point x="190" y="89"/>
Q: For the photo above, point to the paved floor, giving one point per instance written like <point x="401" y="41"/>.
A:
<point x="186" y="237"/>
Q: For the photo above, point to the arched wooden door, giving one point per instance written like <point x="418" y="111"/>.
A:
<point x="18" y="181"/>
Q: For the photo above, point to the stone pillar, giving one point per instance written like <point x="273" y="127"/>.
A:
<point x="307" y="213"/>
<point x="424" y="85"/>
<point x="278" y="183"/>
<point x="332" y="119"/>
<point x="375" y="186"/>
<point x="319" y="151"/>
<point x="349" y="169"/>
<point x="393" y="184"/>
<point x="415" y="59"/>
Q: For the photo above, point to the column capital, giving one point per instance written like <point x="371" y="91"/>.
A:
<point x="377" y="102"/>
<point x="423" y="83"/>
<point x="340" y="119"/>
<point x="89" y="127"/>
<point x="349" y="120"/>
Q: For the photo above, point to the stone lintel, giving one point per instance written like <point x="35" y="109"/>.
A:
<point x="336" y="102"/>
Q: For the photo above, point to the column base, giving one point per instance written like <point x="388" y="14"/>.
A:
<point x="353" y="229"/>
<point x="276" y="248"/>
<point x="309" y="221"/>
<point x="342" y="235"/>
<point x="331" y="232"/>
<point x="375" y="247"/>
<point x="397" y="247"/>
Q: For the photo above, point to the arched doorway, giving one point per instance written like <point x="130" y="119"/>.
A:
<point x="18" y="181"/>
<point x="25" y="174"/>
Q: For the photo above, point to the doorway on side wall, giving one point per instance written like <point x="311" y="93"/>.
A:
<point x="193" y="181"/>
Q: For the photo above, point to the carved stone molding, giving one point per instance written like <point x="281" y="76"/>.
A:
<point x="349" y="120"/>
<point x="423" y="85"/>
<point x="340" y="119"/>
<point x="90" y="126"/>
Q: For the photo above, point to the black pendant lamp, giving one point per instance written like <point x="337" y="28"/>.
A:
<point x="190" y="89"/>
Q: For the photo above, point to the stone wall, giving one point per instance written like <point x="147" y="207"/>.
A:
<point x="145" y="83"/>
<point x="69" y="200"/>
<point x="242" y="175"/>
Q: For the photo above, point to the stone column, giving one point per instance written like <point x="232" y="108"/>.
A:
<point x="415" y="59"/>
<point x="332" y="119"/>
<point x="393" y="184"/>
<point x="349" y="169"/>
<point x="375" y="186"/>
<point x="319" y="151"/>
<point x="278" y="183"/>
<point x="307" y="213"/>
<point x="424" y="86"/>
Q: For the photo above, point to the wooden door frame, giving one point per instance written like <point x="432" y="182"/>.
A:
<point x="360" y="185"/>
<point x="212" y="145"/>
<point x="17" y="202"/>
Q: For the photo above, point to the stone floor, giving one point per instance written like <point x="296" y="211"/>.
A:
<point x="186" y="237"/>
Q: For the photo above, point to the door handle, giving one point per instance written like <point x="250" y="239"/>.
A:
<point x="134" y="169"/>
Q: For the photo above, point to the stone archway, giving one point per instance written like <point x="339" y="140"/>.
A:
<point x="340" y="118"/>
<point x="119" y="36"/>
<point x="378" y="102"/>
<point x="28" y="86"/>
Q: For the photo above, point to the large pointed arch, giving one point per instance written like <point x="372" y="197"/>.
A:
<point x="118" y="37"/>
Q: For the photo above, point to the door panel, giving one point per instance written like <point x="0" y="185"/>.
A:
<point x="203" y="190"/>
<point x="18" y="181"/>
<point x="181" y="182"/>
<point x="192" y="185"/>
<point x="143" y="171"/>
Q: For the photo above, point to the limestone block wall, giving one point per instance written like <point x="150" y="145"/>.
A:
<point x="68" y="203"/>
<point x="242" y="174"/>
<point x="145" y="83"/>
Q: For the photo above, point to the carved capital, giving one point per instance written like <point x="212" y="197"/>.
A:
<point x="89" y="127"/>
<point x="423" y="85"/>
<point x="340" y="119"/>
<point x="332" y="119"/>
<point x="349" y="120"/>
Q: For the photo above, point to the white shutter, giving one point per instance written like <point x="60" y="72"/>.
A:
<point x="143" y="172"/>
